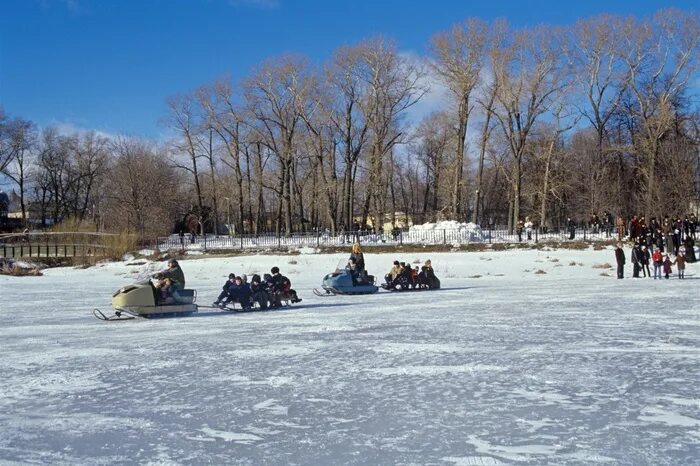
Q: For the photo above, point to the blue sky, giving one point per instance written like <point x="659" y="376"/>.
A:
<point x="109" y="65"/>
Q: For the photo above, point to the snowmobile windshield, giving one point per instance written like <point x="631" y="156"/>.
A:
<point x="342" y="265"/>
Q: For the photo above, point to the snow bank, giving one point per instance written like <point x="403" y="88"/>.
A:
<point x="447" y="230"/>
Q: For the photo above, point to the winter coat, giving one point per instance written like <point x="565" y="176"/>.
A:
<point x="667" y="266"/>
<point x="279" y="283"/>
<point x="229" y="283"/>
<point x="620" y="256"/>
<point x="680" y="262"/>
<point x="621" y="226"/>
<point x="667" y="228"/>
<point x="175" y="275"/>
<point x="259" y="293"/>
<point x="240" y="292"/>
<point x="395" y="272"/>
<point x="636" y="252"/>
<point x="657" y="257"/>
<point x="644" y="256"/>
<point x="359" y="261"/>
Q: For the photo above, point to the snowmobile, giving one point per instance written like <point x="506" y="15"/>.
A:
<point x="142" y="299"/>
<point x="341" y="282"/>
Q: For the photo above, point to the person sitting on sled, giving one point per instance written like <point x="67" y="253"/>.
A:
<point x="224" y="295"/>
<point x="393" y="274"/>
<point x="406" y="277"/>
<point x="170" y="280"/>
<point x="239" y="292"/>
<point x="281" y="288"/>
<point x="259" y="292"/>
<point x="427" y="277"/>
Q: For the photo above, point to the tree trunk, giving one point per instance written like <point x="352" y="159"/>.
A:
<point x="260" y="217"/>
<point x="545" y="184"/>
<point x="459" y="161"/>
<point x="485" y="133"/>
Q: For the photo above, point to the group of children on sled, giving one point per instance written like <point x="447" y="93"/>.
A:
<point x="269" y="292"/>
<point x="403" y="277"/>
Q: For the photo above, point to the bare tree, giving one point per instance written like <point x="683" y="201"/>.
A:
<point x="183" y="117"/>
<point x="434" y="138"/>
<point x="20" y="139"/>
<point x="663" y="57"/>
<point x="322" y="125"/>
<point x="527" y="72"/>
<point x="346" y="77"/>
<point x="487" y="104"/>
<point x="562" y="122"/>
<point x="597" y="54"/>
<point x="90" y="154"/>
<point x="394" y="86"/>
<point x="225" y="118"/>
<point x="276" y="95"/>
<point x="459" y="59"/>
<point x="140" y="174"/>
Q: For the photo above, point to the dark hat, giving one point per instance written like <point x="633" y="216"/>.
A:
<point x="232" y="275"/>
<point x="256" y="278"/>
<point x="275" y="270"/>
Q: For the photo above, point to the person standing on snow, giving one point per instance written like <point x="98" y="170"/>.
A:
<point x="667" y="266"/>
<point x="519" y="230"/>
<point x="571" y="226"/>
<point x="528" y="228"/>
<point x="620" y="259"/>
<point x="680" y="263"/>
<point x="657" y="259"/>
<point x="620" y="228"/>
<point x="635" y="255"/>
<point x="644" y="261"/>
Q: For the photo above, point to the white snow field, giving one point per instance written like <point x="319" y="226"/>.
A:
<point x="505" y="365"/>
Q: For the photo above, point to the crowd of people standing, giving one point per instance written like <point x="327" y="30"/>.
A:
<point x="655" y="243"/>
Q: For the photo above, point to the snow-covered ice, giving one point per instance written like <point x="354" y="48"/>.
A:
<point x="525" y="357"/>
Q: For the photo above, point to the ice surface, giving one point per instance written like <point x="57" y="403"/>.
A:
<point x="539" y="360"/>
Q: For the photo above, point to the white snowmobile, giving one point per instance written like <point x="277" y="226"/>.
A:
<point x="142" y="299"/>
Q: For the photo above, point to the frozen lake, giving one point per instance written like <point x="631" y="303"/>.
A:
<point x="525" y="357"/>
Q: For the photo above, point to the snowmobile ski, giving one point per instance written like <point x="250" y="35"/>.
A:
<point x="118" y="315"/>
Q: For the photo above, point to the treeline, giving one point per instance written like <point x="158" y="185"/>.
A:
<point x="548" y="122"/>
